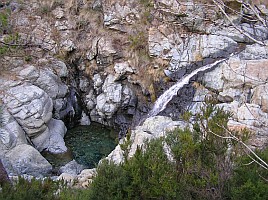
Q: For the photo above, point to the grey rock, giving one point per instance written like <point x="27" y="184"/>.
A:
<point x="258" y="32"/>
<point x="83" y="84"/>
<point x="29" y="72"/>
<point x="97" y="81"/>
<point x="225" y="99"/>
<point x="106" y="51"/>
<point x="84" y="119"/>
<point x="72" y="168"/>
<point x="58" y="13"/>
<point x="11" y="134"/>
<point x="27" y="160"/>
<point x="60" y="68"/>
<point x="255" y="52"/>
<point x="162" y="42"/>
<point x="51" y="139"/>
<point x="196" y="48"/>
<point x="51" y="84"/>
<point x="30" y="106"/>
<point x="260" y="97"/>
<point x="68" y="45"/>
<point x="116" y="12"/>
<point x="153" y="127"/>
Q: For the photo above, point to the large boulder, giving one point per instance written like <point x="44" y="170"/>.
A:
<point x="27" y="160"/>
<point x="30" y="106"/>
<point x="32" y="109"/>
<point x="51" y="139"/>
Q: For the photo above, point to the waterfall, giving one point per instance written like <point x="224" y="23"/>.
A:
<point x="163" y="100"/>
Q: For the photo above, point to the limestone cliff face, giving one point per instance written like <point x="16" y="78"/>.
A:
<point x="110" y="60"/>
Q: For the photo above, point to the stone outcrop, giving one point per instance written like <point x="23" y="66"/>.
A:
<point x="241" y="85"/>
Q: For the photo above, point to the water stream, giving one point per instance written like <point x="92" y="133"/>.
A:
<point x="165" y="98"/>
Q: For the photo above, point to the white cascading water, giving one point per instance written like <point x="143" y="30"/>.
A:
<point x="163" y="100"/>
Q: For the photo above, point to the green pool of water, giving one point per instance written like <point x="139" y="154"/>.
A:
<point x="89" y="144"/>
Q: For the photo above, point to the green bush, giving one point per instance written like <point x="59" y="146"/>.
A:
<point x="198" y="167"/>
<point x="4" y="20"/>
<point x="31" y="190"/>
<point x="250" y="180"/>
<point x="201" y="167"/>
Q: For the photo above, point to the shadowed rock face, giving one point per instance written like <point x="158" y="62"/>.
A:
<point x="3" y="175"/>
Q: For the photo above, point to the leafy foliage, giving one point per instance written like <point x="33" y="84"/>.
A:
<point x="30" y="190"/>
<point x="193" y="163"/>
<point x="250" y="181"/>
<point x="4" y="21"/>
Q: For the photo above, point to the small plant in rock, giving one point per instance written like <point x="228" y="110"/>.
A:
<point x="45" y="9"/>
<point x="5" y="26"/>
<point x="148" y="4"/>
<point x="138" y="41"/>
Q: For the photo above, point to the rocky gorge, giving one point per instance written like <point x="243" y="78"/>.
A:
<point x="65" y="63"/>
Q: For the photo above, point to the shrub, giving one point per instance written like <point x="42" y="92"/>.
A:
<point x="250" y="179"/>
<point x="201" y="167"/>
<point x="31" y="190"/>
<point x="5" y="25"/>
